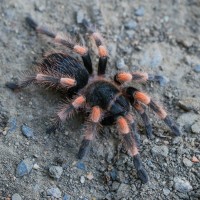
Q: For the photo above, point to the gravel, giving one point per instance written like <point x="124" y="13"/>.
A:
<point x="55" y="171"/>
<point x="187" y="162"/>
<point x="196" y="127"/>
<point x="197" y="68"/>
<point x="123" y="191"/>
<point x="182" y="185"/>
<point x="131" y="25"/>
<point x="139" y="11"/>
<point x="16" y="197"/>
<point x="160" y="150"/>
<point x="27" y="131"/>
<point x="82" y="179"/>
<point x="54" y="192"/>
<point x="24" y="167"/>
<point x="166" y="191"/>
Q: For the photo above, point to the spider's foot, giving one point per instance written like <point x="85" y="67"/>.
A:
<point x="31" y="22"/>
<point x="172" y="126"/>
<point x="141" y="172"/>
<point x="52" y="129"/>
<point x="142" y="175"/>
<point x="12" y="86"/>
<point x="84" y="149"/>
<point x="149" y="132"/>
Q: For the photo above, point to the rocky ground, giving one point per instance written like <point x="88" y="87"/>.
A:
<point x="160" y="37"/>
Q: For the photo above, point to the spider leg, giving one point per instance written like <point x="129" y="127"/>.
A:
<point x="90" y="131"/>
<point x="141" y="110"/>
<point x="66" y="112"/>
<point x="67" y="42"/>
<point x="134" y="94"/>
<point x="102" y="50"/>
<point x="134" y="131"/>
<point x="46" y="79"/>
<point x="138" y="77"/>
<point x="131" y="146"/>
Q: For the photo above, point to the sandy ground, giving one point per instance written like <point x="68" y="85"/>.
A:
<point x="160" y="37"/>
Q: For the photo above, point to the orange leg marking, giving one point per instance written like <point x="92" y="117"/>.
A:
<point x="96" y="114"/>
<point x="123" y="125"/>
<point x="142" y="97"/>
<point x="79" y="101"/>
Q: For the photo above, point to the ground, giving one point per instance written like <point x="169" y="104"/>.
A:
<point x="160" y="37"/>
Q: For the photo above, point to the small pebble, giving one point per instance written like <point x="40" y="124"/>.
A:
<point x="115" y="185"/>
<point x="54" y="192"/>
<point x="139" y="11"/>
<point x="16" y="197"/>
<point x="189" y="104"/>
<point x="55" y="171"/>
<point x="113" y="174"/>
<point x="160" y="150"/>
<point x="120" y="64"/>
<point x="24" y="167"/>
<point x="27" y="131"/>
<point x="187" y="162"/>
<point x="12" y="125"/>
<point x="81" y="166"/>
<point x="36" y="166"/>
<point x="195" y="159"/>
<point x="182" y="185"/>
<point x="123" y="191"/>
<point x="82" y="180"/>
<point x="166" y="191"/>
<point x="90" y="176"/>
<point x="196" y="127"/>
<point x="131" y="25"/>
<point x="80" y="17"/>
<point x="66" y="197"/>
<point x="197" y="69"/>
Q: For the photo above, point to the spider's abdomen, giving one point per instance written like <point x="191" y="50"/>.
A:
<point x="108" y="97"/>
<point x="63" y="65"/>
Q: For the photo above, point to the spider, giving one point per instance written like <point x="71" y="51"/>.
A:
<point x="106" y="102"/>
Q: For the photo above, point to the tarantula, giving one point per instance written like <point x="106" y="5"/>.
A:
<point x="107" y="102"/>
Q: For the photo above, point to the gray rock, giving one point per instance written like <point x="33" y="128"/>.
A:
<point x="66" y="197"/>
<point x="81" y="165"/>
<point x="189" y="104"/>
<point x="177" y="140"/>
<point x="160" y="150"/>
<point x="80" y="17"/>
<point x="166" y="191"/>
<point x="12" y="124"/>
<point x="123" y="191"/>
<point x="197" y="69"/>
<point x="120" y="64"/>
<point x="182" y="185"/>
<point x="186" y="42"/>
<point x="152" y="57"/>
<point x="82" y="179"/>
<point x="24" y="167"/>
<point x="115" y="185"/>
<point x="188" y="119"/>
<point x="27" y="131"/>
<point x="139" y="11"/>
<point x="131" y="25"/>
<point x="196" y="127"/>
<point x="187" y="162"/>
<point x="54" y="192"/>
<point x="16" y="197"/>
<point x="55" y="171"/>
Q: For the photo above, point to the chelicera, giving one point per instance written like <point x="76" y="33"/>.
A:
<point x="107" y="101"/>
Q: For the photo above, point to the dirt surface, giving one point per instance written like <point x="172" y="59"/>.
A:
<point x="160" y="37"/>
